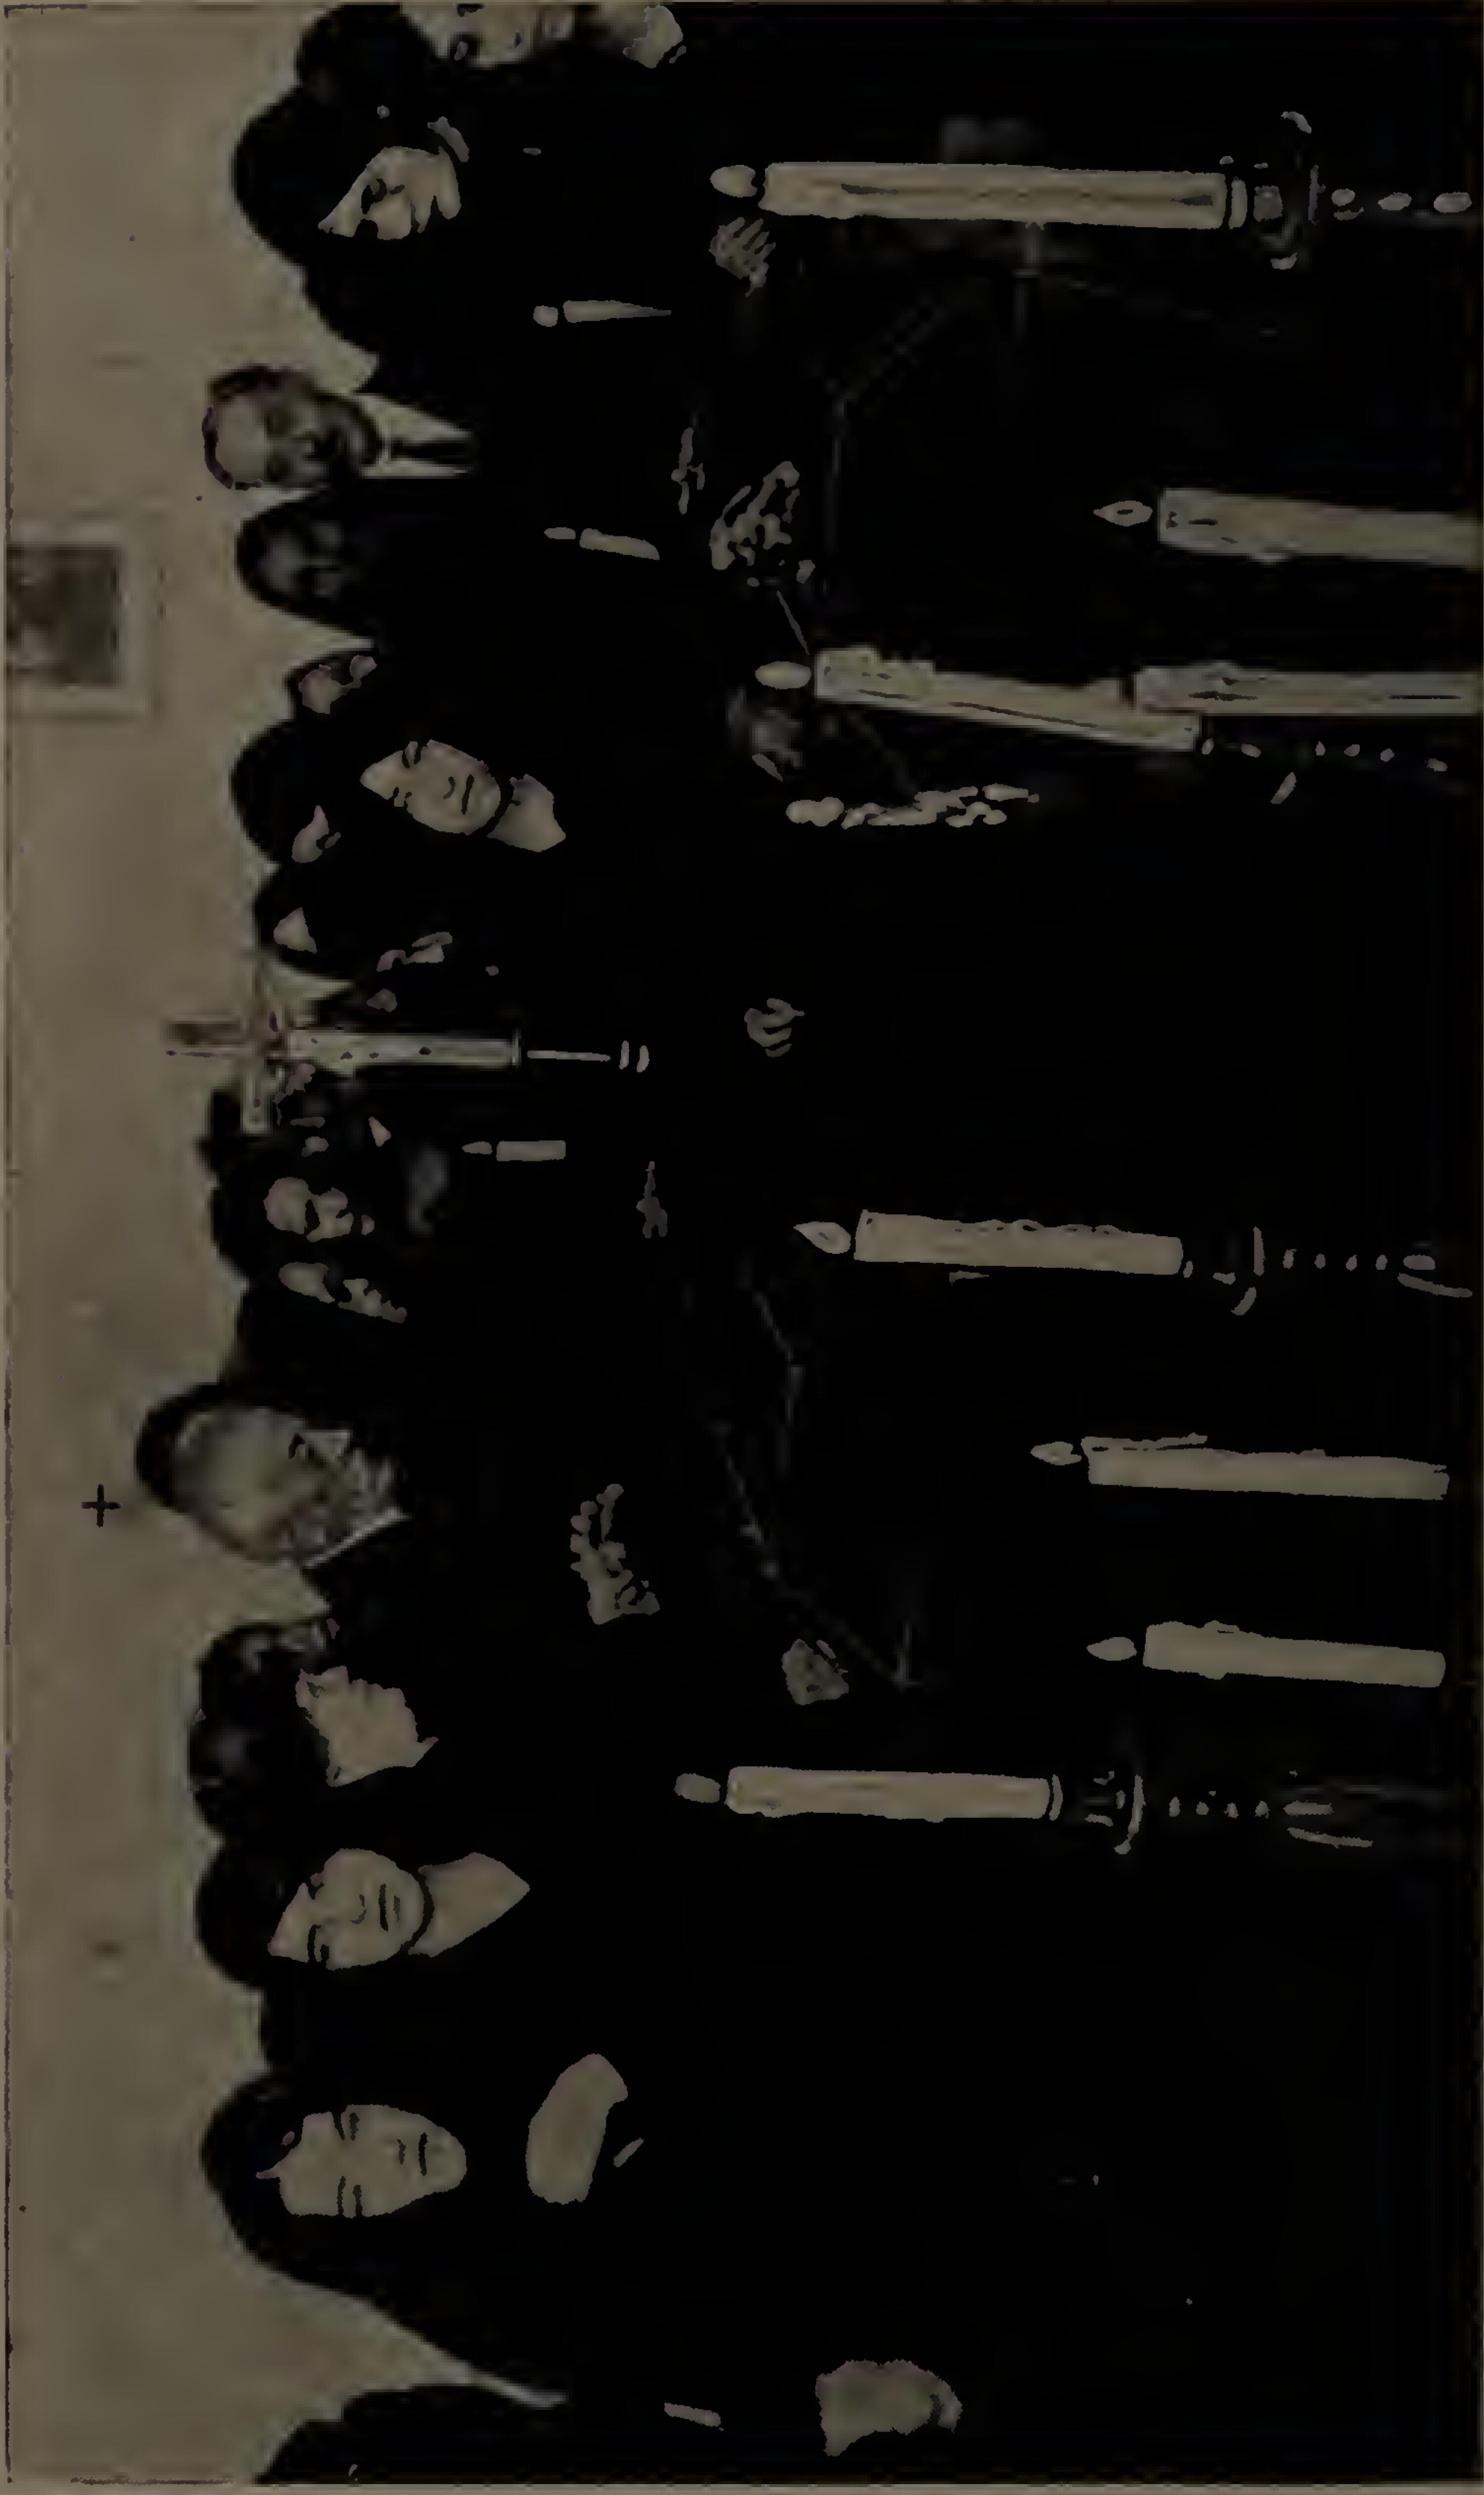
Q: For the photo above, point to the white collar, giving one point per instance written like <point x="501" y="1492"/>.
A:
<point x="468" y="1896"/>
<point x="397" y="421"/>
<point x="363" y="1533"/>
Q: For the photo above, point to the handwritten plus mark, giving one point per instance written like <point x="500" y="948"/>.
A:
<point x="98" y="1506"/>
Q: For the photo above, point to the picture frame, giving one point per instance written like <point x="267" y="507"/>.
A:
<point x="78" y="606"/>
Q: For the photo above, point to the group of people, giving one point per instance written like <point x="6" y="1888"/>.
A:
<point x="608" y="1466"/>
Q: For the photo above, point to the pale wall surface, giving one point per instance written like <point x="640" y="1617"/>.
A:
<point x="145" y="2343"/>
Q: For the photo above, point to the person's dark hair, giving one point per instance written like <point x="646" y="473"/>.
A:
<point x="299" y="158"/>
<point x="256" y="2127"/>
<point x="364" y="56"/>
<point x="453" y="2434"/>
<point x="241" y="1899"/>
<point x="208" y="431"/>
<point x="294" y="161"/>
<point x="468" y="2268"/>
<point x="271" y="785"/>
<point x="240" y="1903"/>
<point x="292" y="521"/>
<point x="385" y="544"/>
<point x="257" y="1767"/>
<point x="353" y="912"/>
<point x="403" y="704"/>
<point x="165" y="1426"/>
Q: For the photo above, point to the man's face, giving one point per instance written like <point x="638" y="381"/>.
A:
<point x="268" y="1485"/>
<point x="358" y="1910"/>
<point x="365" y="1729"/>
<point x="298" y="1640"/>
<point x="306" y="562"/>
<point x="365" y="2161"/>
<point x="288" y="431"/>
<point x="440" y="787"/>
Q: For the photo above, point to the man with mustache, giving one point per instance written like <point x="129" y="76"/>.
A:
<point x="266" y="424"/>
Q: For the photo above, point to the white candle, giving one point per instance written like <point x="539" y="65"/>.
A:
<point x="919" y="1238"/>
<point x="1268" y="529"/>
<point x="859" y="1793"/>
<point x="1035" y="194"/>
<point x="1126" y="1464"/>
<point x="341" y="1052"/>
<point x="1213" y="1652"/>
<point x="1101" y="713"/>
<point x="1214" y="685"/>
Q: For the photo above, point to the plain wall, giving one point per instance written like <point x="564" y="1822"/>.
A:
<point x="146" y="2344"/>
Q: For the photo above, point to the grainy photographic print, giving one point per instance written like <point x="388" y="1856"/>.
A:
<point x="74" y="617"/>
<point x="743" y="1694"/>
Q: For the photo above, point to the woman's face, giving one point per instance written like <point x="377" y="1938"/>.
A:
<point x="396" y="195"/>
<point x="359" y="1911"/>
<point x="438" y="786"/>
<point x="293" y="1206"/>
<point x="365" y="1728"/>
<point x="365" y="2161"/>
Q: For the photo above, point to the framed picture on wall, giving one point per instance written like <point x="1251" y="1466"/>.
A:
<point x="78" y="604"/>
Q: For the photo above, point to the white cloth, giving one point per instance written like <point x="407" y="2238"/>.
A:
<point x="395" y="423"/>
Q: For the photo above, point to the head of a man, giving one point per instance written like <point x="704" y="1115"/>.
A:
<point x="268" y="425"/>
<point x="299" y="556"/>
<point x="265" y="1483"/>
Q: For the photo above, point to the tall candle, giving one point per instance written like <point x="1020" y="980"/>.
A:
<point x="1125" y="1464"/>
<point x="1174" y="1645"/>
<point x="921" y="1239"/>
<point x="1034" y="195"/>
<point x="860" y="1792"/>
<point x="341" y="1052"/>
<point x="1101" y="714"/>
<point x="1214" y="685"/>
<point x="1269" y="529"/>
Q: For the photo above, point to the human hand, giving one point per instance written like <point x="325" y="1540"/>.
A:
<point x="895" y="2398"/>
<point x="743" y="248"/>
<point x="768" y="1025"/>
